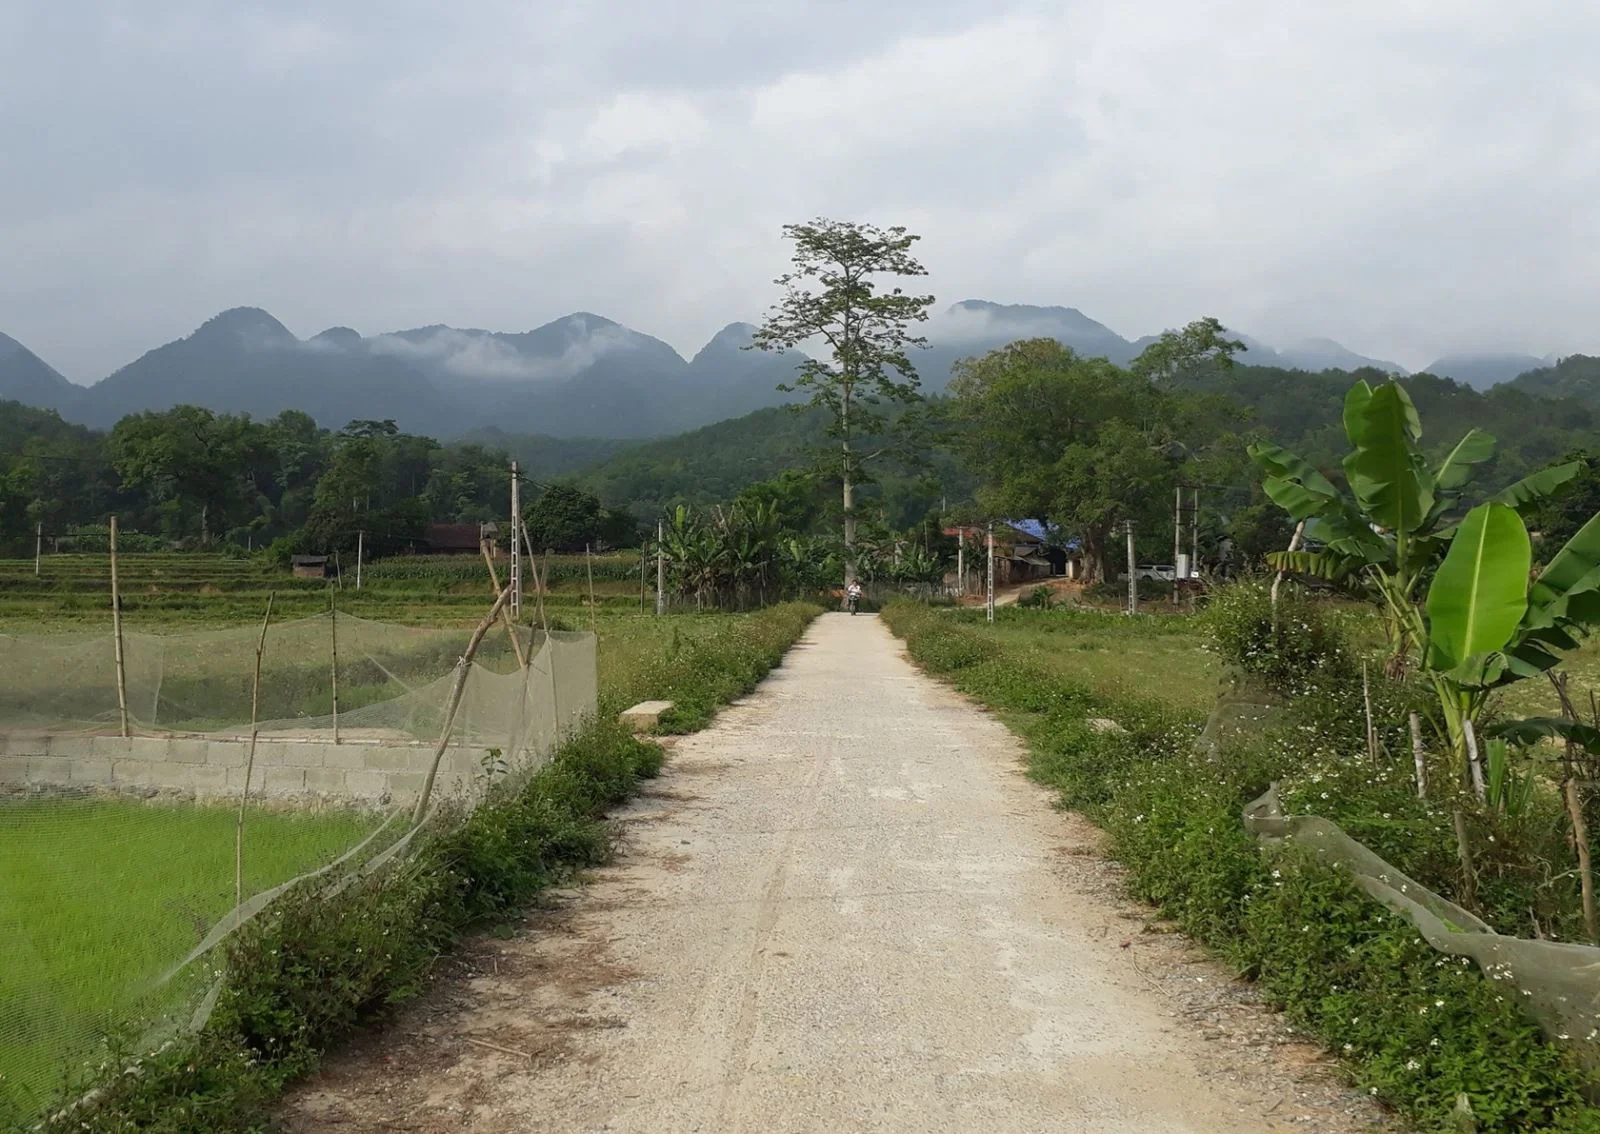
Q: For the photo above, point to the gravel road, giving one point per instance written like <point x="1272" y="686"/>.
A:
<point x="841" y="908"/>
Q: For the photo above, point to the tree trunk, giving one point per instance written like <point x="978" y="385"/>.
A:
<point x="1094" y="555"/>
<point x="847" y="477"/>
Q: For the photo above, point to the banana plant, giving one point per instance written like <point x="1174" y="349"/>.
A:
<point x="1385" y="538"/>
<point x="1485" y="625"/>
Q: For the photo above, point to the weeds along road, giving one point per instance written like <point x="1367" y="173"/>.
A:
<point x="841" y="908"/>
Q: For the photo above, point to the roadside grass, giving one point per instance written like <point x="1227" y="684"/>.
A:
<point x="1416" y="1028"/>
<point x="313" y="966"/>
<point x="1159" y="656"/>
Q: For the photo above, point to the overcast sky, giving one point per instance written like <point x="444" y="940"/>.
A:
<point x="1406" y="176"/>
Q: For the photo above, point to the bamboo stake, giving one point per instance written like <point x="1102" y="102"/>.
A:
<point x="588" y="566"/>
<point x="539" y="587"/>
<point x="1372" y="732"/>
<point x="116" y="632"/>
<point x="1580" y="826"/>
<point x="505" y="614"/>
<point x="1473" y="762"/>
<point x="1469" y="885"/>
<point x="250" y="760"/>
<point x="1417" y="755"/>
<point x="333" y="629"/>
<point x="463" y="667"/>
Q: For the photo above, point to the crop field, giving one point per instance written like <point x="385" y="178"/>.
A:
<point x="97" y="896"/>
<point x="187" y="588"/>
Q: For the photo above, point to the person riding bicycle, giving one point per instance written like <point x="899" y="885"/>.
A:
<point x="852" y="594"/>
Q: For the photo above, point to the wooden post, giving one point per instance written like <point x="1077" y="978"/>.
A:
<point x="989" y="585"/>
<point x="462" y="668"/>
<point x="116" y="632"/>
<point x="540" y="586"/>
<point x="333" y="631"/>
<point x="505" y="614"/>
<point x="1372" y="730"/>
<point x="1574" y="802"/>
<point x="1419" y="756"/>
<point x="661" y="570"/>
<point x="361" y="542"/>
<point x="546" y="586"/>
<point x="588" y="566"/>
<point x="38" y="547"/>
<point x="1474" y="764"/>
<point x="250" y="761"/>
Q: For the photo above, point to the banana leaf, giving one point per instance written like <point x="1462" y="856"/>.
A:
<point x="1534" y="729"/>
<point x="1537" y="486"/>
<point x="1385" y="469"/>
<point x="1480" y="593"/>
<point x="1456" y="469"/>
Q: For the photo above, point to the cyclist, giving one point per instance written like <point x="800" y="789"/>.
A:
<point x="852" y="594"/>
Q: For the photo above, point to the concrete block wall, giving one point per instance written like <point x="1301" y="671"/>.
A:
<point x="206" y="768"/>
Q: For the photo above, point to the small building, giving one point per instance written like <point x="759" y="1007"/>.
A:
<point x="309" y="566"/>
<point x="458" y="539"/>
<point x="1023" y="551"/>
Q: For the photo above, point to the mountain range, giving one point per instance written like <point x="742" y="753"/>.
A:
<point x="579" y="376"/>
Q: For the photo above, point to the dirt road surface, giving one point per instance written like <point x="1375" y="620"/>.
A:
<point x="841" y="908"/>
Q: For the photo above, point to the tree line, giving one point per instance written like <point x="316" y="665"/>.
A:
<point x="190" y="477"/>
<point x="865" y="476"/>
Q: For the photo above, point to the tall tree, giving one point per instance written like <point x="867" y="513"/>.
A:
<point x="832" y="295"/>
<point x="1201" y="344"/>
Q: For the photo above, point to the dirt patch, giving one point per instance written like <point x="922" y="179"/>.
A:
<point x="499" y="1009"/>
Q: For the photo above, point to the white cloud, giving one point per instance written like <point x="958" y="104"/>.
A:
<point x="1405" y="176"/>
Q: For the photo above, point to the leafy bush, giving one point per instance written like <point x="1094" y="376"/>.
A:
<point x="1414" y="1026"/>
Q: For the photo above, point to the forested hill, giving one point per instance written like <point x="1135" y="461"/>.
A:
<point x="1292" y="407"/>
<point x="1537" y="419"/>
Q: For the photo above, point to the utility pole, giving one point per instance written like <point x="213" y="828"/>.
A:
<point x="515" y="580"/>
<point x="361" y="546"/>
<point x="1177" y="536"/>
<point x="989" y="600"/>
<point x="1194" y="535"/>
<point x="1133" y="574"/>
<point x="38" y="547"/>
<point x="961" y="560"/>
<point x="661" y="571"/>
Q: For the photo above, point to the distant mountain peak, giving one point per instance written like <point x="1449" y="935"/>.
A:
<point x="337" y="336"/>
<point x="1069" y="317"/>
<point x="245" y="321"/>
<point x="732" y="337"/>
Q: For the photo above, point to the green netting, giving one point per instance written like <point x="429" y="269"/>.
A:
<point x="1558" y="982"/>
<point x="110" y="906"/>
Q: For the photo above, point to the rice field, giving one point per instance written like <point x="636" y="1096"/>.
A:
<point x="99" y="897"/>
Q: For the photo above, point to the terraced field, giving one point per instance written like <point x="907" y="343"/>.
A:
<point x="163" y="588"/>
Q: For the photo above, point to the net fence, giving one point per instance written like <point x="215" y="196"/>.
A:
<point x="114" y="893"/>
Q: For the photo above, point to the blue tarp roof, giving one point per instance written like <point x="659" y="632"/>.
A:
<point x="1038" y="531"/>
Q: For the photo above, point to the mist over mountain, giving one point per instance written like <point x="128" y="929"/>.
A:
<point x="580" y="376"/>
<point x="1482" y="371"/>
